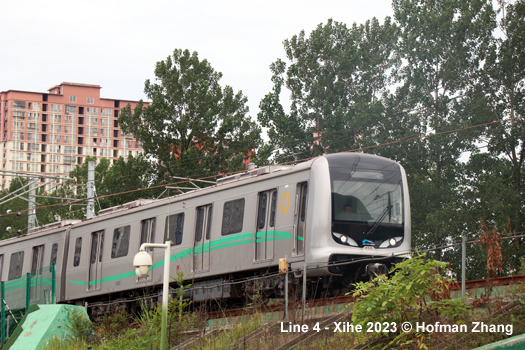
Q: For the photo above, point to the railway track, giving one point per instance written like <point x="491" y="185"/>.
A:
<point x="346" y="299"/>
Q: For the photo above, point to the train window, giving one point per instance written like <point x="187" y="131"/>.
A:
<point x="120" y="244"/>
<point x="200" y="220"/>
<point x="1" y="265"/>
<point x="233" y="216"/>
<point x="208" y="228"/>
<point x="54" y="254"/>
<point x="15" y="265"/>
<point x="78" y="250"/>
<point x="97" y="245"/>
<point x="38" y="258"/>
<point x="174" y="227"/>
<point x="304" y="195"/>
<point x="261" y="217"/>
<point x="273" y="205"/>
<point x="147" y="231"/>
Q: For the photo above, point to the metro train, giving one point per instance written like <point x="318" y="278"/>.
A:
<point x="340" y="215"/>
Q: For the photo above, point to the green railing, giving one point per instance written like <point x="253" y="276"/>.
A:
<point x="36" y="288"/>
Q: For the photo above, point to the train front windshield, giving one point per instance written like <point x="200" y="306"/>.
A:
<point x="367" y="205"/>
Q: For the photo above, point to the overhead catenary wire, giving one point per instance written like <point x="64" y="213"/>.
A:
<point x="291" y="162"/>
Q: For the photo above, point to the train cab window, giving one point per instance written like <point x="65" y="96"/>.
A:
<point x="233" y="216"/>
<point x="38" y="259"/>
<point x="120" y="244"/>
<point x="54" y="254"/>
<point x="78" y="250"/>
<point x="15" y="265"/>
<point x="174" y="228"/>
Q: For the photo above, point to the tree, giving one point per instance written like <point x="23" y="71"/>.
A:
<point x="128" y="176"/>
<point x="443" y="45"/>
<point x="504" y="88"/>
<point x="17" y="220"/>
<point x="335" y="79"/>
<point x="192" y="126"/>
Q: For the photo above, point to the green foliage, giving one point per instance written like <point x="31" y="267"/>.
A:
<point x="335" y="79"/>
<point x="193" y="126"/>
<point x="65" y="344"/>
<point x="80" y="326"/>
<point x="417" y="291"/>
<point x="178" y="320"/>
<point x="114" y="324"/>
<point x="15" y="221"/>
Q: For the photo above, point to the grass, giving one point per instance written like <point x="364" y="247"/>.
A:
<point x="253" y="332"/>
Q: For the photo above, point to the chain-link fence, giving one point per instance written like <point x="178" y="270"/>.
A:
<point x="36" y="288"/>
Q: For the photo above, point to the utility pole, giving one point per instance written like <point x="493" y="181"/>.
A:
<point x="31" y="214"/>
<point x="90" y="211"/>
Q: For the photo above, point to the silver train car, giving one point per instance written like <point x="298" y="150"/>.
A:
<point x="343" y="215"/>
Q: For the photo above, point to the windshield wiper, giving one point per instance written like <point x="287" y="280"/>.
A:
<point x="387" y="210"/>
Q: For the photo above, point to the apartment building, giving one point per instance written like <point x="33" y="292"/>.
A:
<point x="48" y="133"/>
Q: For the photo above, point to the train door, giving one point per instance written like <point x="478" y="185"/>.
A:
<point x="147" y="235"/>
<point x="265" y="231"/>
<point x="95" y="260"/>
<point x="201" y="250"/>
<point x="300" y="218"/>
<point x="37" y="262"/>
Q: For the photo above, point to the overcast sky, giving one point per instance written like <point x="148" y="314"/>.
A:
<point x="115" y="44"/>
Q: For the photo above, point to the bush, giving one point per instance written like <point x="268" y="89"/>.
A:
<point x="418" y="291"/>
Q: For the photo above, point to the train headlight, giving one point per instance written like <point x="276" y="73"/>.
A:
<point x="392" y="242"/>
<point x="344" y="239"/>
<point x="142" y="261"/>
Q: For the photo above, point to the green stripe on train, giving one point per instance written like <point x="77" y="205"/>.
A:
<point x="22" y="282"/>
<point x="220" y="243"/>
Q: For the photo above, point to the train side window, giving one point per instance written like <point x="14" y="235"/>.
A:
<point x="233" y="217"/>
<point x="273" y="205"/>
<point x="54" y="254"/>
<point x="38" y="258"/>
<point x="78" y="250"/>
<point x="147" y="231"/>
<point x="261" y="216"/>
<point x="15" y="265"/>
<point x="120" y="245"/>
<point x="304" y="195"/>
<point x="96" y="247"/>
<point x="173" y="229"/>
<point x="1" y="265"/>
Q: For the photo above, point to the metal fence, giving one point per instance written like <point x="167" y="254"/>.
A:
<point x="16" y="296"/>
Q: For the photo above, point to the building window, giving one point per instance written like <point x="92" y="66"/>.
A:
<point x="56" y="108"/>
<point x="19" y="115"/>
<point x="72" y="99"/>
<point x="19" y="104"/>
<point x="71" y="109"/>
<point x="232" y="217"/>
<point x="90" y="100"/>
